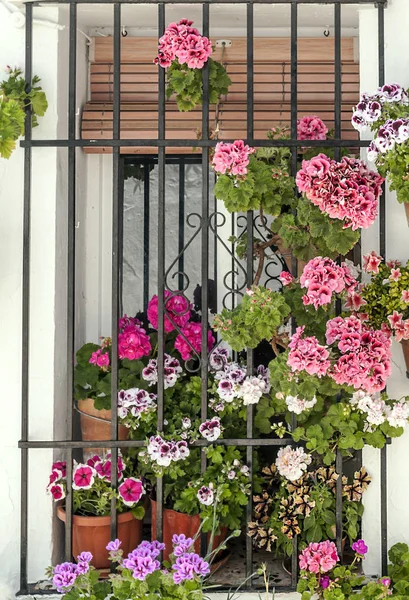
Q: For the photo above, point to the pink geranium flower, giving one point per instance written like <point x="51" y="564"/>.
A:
<point x="133" y="342"/>
<point x="311" y="128"/>
<point x="177" y="311"/>
<point x="190" y="340"/>
<point x="100" y="359"/>
<point x="232" y="159"/>
<point x="83" y="477"/>
<point x="286" y="278"/>
<point x="183" y="42"/>
<point x="131" y="491"/>
<point x="319" y="557"/>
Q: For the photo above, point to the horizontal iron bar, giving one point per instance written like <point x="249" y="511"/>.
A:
<point x="141" y="443"/>
<point x="192" y="143"/>
<point x="373" y="2"/>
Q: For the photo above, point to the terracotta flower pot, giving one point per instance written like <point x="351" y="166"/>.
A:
<point x="405" y="349"/>
<point x="176" y="522"/>
<point x="96" y="424"/>
<point x="92" y="534"/>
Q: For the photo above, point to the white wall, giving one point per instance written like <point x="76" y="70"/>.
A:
<point x="46" y="365"/>
<point x="397" y="236"/>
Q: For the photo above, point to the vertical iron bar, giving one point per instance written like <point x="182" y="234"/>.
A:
<point x="26" y="308"/>
<point x="72" y="101"/>
<point x="382" y="251"/>
<point x="338" y="77"/>
<point x="181" y="232"/>
<point x="146" y="233"/>
<point x="294" y="156"/>
<point x="250" y="271"/>
<point x="161" y="267"/>
<point x="116" y="255"/>
<point x="337" y="156"/>
<point x="205" y="246"/>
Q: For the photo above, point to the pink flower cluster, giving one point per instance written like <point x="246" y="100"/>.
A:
<point x="311" y="128"/>
<point x="399" y="326"/>
<point x="189" y="341"/>
<point x="100" y="358"/>
<point x="365" y="354"/>
<point x="133" y="341"/>
<point x="183" y="42"/>
<point x="322" y="277"/>
<point x="319" y="557"/>
<point x="177" y="311"/>
<point x="372" y="262"/>
<point x="232" y="159"/>
<point x="306" y="354"/>
<point x="85" y="474"/>
<point x="345" y="190"/>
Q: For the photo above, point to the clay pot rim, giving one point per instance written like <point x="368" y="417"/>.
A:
<point x="94" y="521"/>
<point x="175" y="511"/>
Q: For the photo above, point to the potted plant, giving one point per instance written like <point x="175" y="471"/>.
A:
<point x="217" y="498"/>
<point x="183" y="51"/>
<point x="138" y="573"/>
<point x="386" y="114"/>
<point x="137" y="354"/>
<point x="321" y="576"/>
<point x="291" y="504"/>
<point x="14" y="100"/>
<point x="384" y="301"/>
<point x="92" y="494"/>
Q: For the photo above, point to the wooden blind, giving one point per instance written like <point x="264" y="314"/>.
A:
<point x="139" y="90"/>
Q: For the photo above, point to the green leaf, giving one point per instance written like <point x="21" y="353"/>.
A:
<point x="138" y="512"/>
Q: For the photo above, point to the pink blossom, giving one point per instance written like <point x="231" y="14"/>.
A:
<point x="177" y="311"/>
<point x="395" y="274"/>
<point x="183" y="42"/>
<point x="322" y="277"/>
<point x="395" y="319"/>
<point x="405" y="296"/>
<point x="306" y="354"/>
<point x="372" y="262"/>
<point x="232" y="158"/>
<point x="393" y="263"/>
<point x="355" y="301"/>
<point x="311" y="128"/>
<point x="100" y="359"/>
<point x="345" y="190"/>
<point x="60" y="465"/>
<point x="319" y="557"/>
<point x="83" y="477"/>
<point x="133" y="342"/>
<point x="131" y="491"/>
<point x="286" y="278"/>
<point x="190" y="340"/>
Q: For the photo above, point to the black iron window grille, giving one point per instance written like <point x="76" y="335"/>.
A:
<point x="208" y="228"/>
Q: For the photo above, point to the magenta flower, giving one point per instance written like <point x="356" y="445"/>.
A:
<point x="311" y="128"/>
<point x="57" y="491"/>
<point x="232" y="159"/>
<point x="386" y="581"/>
<point x="131" y="491"/>
<point x="360" y="547"/>
<point x="177" y="311"/>
<point x="60" y="465"/>
<point x="192" y="333"/>
<point x="83" y="477"/>
<point x="100" y="359"/>
<point x="324" y="582"/>
<point x="133" y="343"/>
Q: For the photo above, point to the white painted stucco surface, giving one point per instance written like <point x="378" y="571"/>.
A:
<point x="47" y="307"/>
